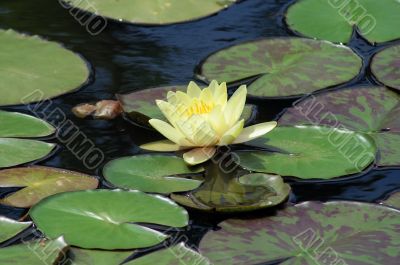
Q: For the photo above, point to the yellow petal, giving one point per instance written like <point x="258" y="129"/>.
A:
<point x="193" y="90"/>
<point x="232" y="134"/>
<point x="183" y="98"/>
<point x="255" y="131"/>
<point x="235" y="105"/>
<point x="202" y="132"/>
<point x="168" y="110"/>
<point x="206" y="95"/>
<point x="199" y="155"/>
<point x="171" y="97"/>
<point x="168" y="131"/>
<point x="162" y="146"/>
<point x="221" y="94"/>
<point x="213" y="86"/>
<point x="217" y="121"/>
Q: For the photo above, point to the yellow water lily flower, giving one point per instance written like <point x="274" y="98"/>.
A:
<point x="202" y="120"/>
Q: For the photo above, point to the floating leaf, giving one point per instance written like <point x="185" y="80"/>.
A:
<point x="376" y="21"/>
<point x="176" y="255"/>
<point x="371" y="110"/>
<point x="14" y="124"/>
<point x="283" y="67"/>
<point x="385" y="66"/>
<point x="151" y="173"/>
<point x="15" y="152"/>
<point x="310" y="152"/>
<point x="38" y="252"/>
<point x="223" y="192"/>
<point x="89" y="219"/>
<point x="140" y="106"/>
<point x="393" y="200"/>
<point x="32" y="69"/>
<point x="154" y="12"/>
<point x="10" y="228"/>
<point x="309" y="233"/>
<point x="40" y="182"/>
<point x="97" y="257"/>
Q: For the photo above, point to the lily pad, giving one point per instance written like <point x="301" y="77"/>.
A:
<point x="151" y="173"/>
<point x="34" y="253"/>
<point x="15" y="152"/>
<point x="33" y="69"/>
<point x="97" y="257"/>
<point x="376" y="21"/>
<point x="38" y="183"/>
<point x="283" y="67"/>
<point x="309" y="233"/>
<point x="393" y="200"/>
<point x="176" y="255"/>
<point x="10" y="228"/>
<point x="153" y="12"/>
<point x="140" y="106"/>
<point x="310" y="152"/>
<point x="224" y="192"/>
<point x="370" y="110"/>
<point x="88" y="219"/>
<point x="14" y="124"/>
<point x="385" y="66"/>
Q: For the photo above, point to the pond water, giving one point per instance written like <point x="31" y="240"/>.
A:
<point x="127" y="57"/>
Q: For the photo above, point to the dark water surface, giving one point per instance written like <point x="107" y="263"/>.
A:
<point x="126" y="57"/>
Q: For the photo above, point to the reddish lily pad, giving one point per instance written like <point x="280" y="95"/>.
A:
<point x="393" y="200"/>
<point x="176" y="255"/>
<point x="39" y="182"/>
<point x="283" y="67"/>
<point x="10" y="228"/>
<point x="140" y="106"/>
<point x="385" y="66"/>
<point x="339" y="232"/>
<point x="370" y="110"/>
<point x="38" y="252"/>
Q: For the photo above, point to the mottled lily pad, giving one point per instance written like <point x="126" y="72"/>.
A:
<point x="386" y="66"/>
<point x="151" y="173"/>
<point x="338" y="232"/>
<point x="10" y="228"/>
<point x="393" y="200"/>
<point x="153" y="12"/>
<point x="176" y="255"/>
<point x="97" y="257"/>
<point x="40" y="182"/>
<point x="370" y="110"/>
<point x="310" y="152"/>
<point x="14" y="124"/>
<point x="283" y="67"/>
<point x="38" y="252"/>
<point x="140" y="106"/>
<point x="89" y="219"/>
<point x="33" y="69"/>
<point x="224" y="192"/>
<point x="376" y="21"/>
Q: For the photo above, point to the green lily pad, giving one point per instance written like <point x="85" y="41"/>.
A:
<point x="310" y="152"/>
<point x="33" y="69"/>
<point x="376" y="21"/>
<point x="283" y="67"/>
<point x="393" y="200"/>
<point x="151" y="173"/>
<point x="38" y="252"/>
<point x="176" y="255"/>
<point x="15" y="152"/>
<point x="369" y="110"/>
<point x="385" y="66"/>
<point x="140" y="106"/>
<point x="89" y="219"/>
<point x="224" y="192"/>
<point x="38" y="183"/>
<point x="153" y="12"/>
<point x="10" y="228"/>
<point x="14" y="124"/>
<point x="97" y="257"/>
<point x="309" y="233"/>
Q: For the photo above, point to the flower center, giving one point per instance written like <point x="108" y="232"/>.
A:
<point x="198" y="106"/>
